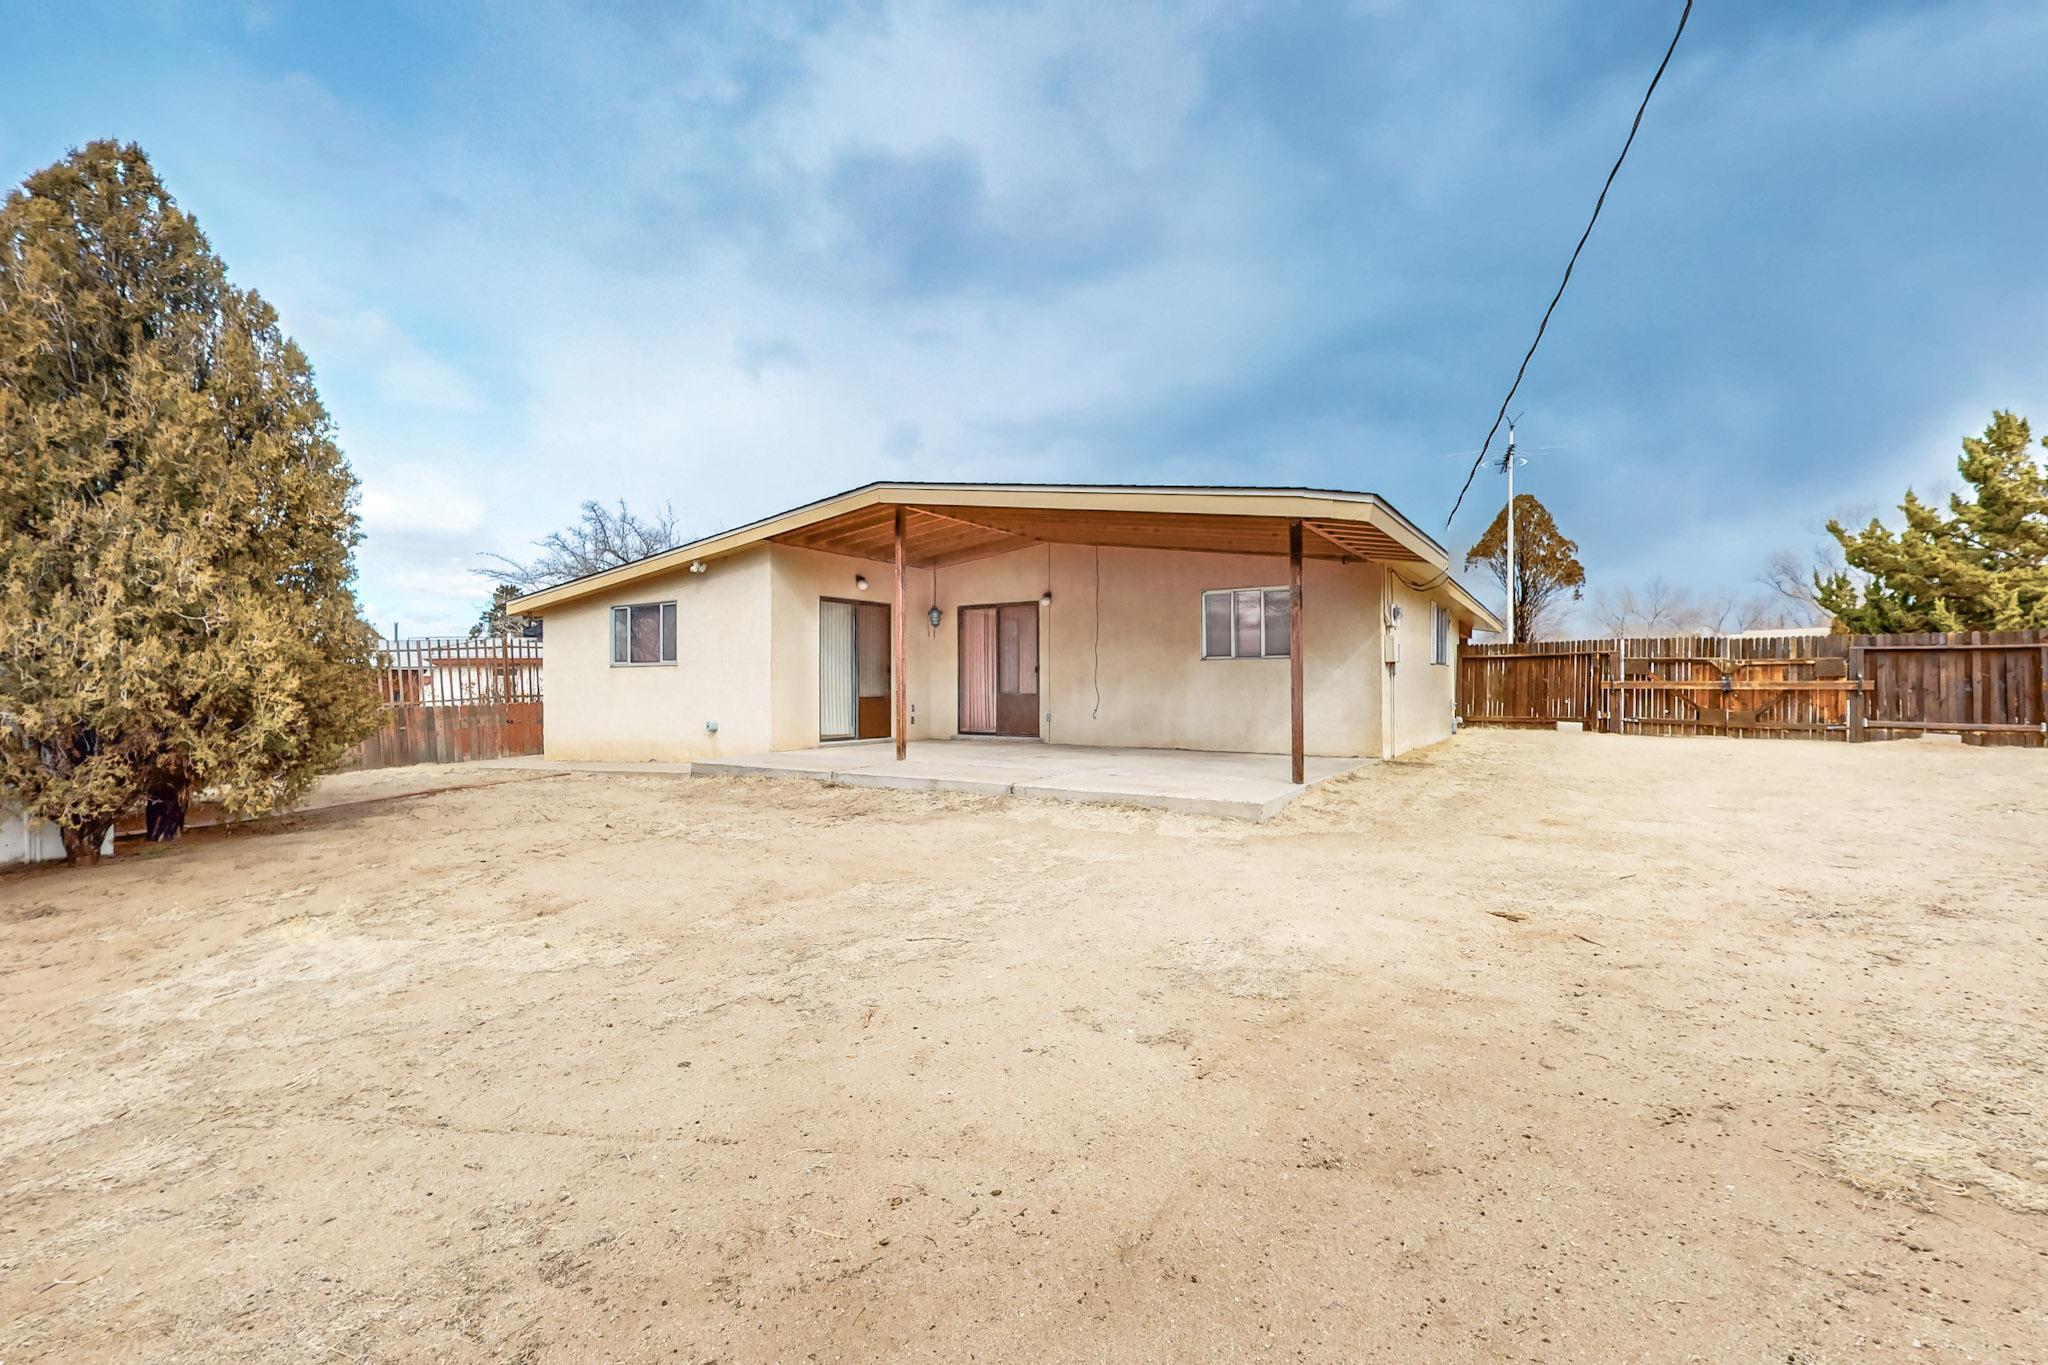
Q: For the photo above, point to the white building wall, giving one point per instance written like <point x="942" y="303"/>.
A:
<point x="28" y="839"/>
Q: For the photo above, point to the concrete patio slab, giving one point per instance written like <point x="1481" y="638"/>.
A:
<point x="1237" y="786"/>
<point x="536" y="764"/>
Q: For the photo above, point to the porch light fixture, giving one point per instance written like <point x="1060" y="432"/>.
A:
<point x="860" y="581"/>
<point x="935" y="616"/>
<point x="697" y="566"/>
<point x="1045" y="600"/>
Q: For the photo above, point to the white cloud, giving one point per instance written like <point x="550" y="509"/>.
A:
<point x="401" y="370"/>
<point x="413" y="501"/>
<point x="404" y="372"/>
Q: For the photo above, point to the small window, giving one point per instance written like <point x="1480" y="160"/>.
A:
<point x="644" y="634"/>
<point x="1245" y="623"/>
<point x="1440" y="633"/>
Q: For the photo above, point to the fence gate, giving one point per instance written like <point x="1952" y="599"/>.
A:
<point x="1781" y="686"/>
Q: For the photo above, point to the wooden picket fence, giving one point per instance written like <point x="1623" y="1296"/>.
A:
<point x="452" y="699"/>
<point x="1989" y="687"/>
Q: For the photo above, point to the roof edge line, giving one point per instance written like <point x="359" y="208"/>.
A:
<point x="747" y="533"/>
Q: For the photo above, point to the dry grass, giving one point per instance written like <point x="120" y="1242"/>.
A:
<point x="1955" y="1103"/>
<point x="1531" y="1047"/>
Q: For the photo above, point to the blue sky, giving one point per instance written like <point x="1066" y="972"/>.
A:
<point x="735" y="257"/>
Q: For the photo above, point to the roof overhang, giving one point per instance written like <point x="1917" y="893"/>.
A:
<point x="1482" y="619"/>
<point x="955" y="523"/>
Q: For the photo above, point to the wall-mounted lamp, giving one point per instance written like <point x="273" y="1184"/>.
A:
<point x="696" y="566"/>
<point x="1045" y="600"/>
<point x="860" y="581"/>
<point x="935" y="616"/>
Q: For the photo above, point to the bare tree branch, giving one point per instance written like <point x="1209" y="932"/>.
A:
<point x="1791" y="579"/>
<point x="602" y="538"/>
<point x="1659" y="608"/>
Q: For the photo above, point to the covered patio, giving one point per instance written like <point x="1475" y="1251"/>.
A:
<point x="912" y="532"/>
<point x="1192" y="782"/>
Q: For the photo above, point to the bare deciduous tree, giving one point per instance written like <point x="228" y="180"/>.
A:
<point x="1654" y="607"/>
<point x="602" y="538"/>
<point x="1790" y="579"/>
<point x="1658" y="608"/>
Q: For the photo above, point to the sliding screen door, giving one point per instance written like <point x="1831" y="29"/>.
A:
<point x="871" y="652"/>
<point x="978" y="670"/>
<point x="836" y="670"/>
<point x="999" y="670"/>
<point x="1017" y="669"/>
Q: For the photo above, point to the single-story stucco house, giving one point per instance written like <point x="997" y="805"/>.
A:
<point x="1248" y="620"/>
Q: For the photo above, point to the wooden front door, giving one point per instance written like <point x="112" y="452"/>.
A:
<point x="999" y="670"/>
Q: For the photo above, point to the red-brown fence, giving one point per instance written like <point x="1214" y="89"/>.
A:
<point x="1990" y="687"/>
<point x="448" y="700"/>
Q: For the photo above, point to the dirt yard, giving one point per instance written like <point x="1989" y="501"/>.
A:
<point x="1532" y="1047"/>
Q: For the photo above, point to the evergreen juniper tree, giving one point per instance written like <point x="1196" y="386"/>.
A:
<point x="176" y="604"/>
<point x="1983" y="565"/>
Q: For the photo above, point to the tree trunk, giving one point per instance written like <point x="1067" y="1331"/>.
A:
<point x="164" y="814"/>
<point x="82" y="842"/>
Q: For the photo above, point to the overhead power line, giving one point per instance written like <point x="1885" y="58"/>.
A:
<point x="1501" y="416"/>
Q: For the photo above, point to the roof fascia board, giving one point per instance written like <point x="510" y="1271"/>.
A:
<point x="1303" y="503"/>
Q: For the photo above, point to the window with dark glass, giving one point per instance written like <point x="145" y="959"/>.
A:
<point x="1245" y="623"/>
<point x="644" y="634"/>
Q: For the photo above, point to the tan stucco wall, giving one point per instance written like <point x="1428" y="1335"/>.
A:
<point x="1423" y="694"/>
<point x="800" y="579"/>
<point x="594" y="709"/>
<point x="1156" y="691"/>
<point x="748" y="656"/>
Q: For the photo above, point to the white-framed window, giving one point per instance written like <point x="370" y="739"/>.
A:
<point x="1245" y="623"/>
<point x="1439" y="634"/>
<point x="644" y="634"/>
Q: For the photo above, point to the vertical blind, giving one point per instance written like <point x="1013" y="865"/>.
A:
<point x="978" y="670"/>
<point x="836" y="670"/>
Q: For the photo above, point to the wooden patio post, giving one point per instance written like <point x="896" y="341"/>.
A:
<point x="899" y="683"/>
<point x="1294" y="648"/>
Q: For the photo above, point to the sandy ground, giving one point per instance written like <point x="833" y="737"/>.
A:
<point x="579" y="1067"/>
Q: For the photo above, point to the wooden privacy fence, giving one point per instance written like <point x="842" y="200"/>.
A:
<point x="448" y="700"/>
<point x="1990" y="687"/>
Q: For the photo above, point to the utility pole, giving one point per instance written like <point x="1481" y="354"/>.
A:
<point x="1507" y="462"/>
